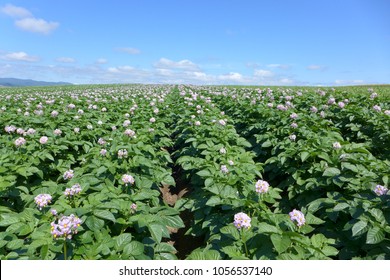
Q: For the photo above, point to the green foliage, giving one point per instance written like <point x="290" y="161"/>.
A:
<point x="211" y="144"/>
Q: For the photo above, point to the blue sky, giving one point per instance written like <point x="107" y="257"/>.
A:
<point x="280" y="42"/>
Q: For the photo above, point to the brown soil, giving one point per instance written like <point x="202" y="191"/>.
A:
<point x="183" y="243"/>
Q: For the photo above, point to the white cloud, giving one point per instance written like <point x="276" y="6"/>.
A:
<point x="349" y="82"/>
<point x="232" y="77"/>
<point x="261" y="73"/>
<point x="36" y="25"/>
<point x="121" y="69"/>
<point x="316" y="67"/>
<point x="184" y="64"/>
<point x="14" y="11"/>
<point x="165" y="72"/>
<point x="19" y="56"/>
<point x="279" y="66"/>
<point x="101" y="61"/>
<point x="66" y="59"/>
<point x="286" y="81"/>
<point x="27" y="22"/>
<point x="129" y="50"/>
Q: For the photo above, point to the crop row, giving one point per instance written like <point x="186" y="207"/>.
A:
<point x="136" y="172"/>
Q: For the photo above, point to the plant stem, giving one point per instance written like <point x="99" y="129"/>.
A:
<point x="244" y="241"/>
<point x="65" y="250"/>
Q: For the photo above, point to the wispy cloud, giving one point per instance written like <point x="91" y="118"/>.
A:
<point x="101" y="61"/>
<point x="232" y="77"/>
<point x="121" y="69"/>
<point x="316" y="67"/>
<point x="36" y="25"/>
<point x="27" y="22"/>
<point x="184" y="64"/>
<point x="14" y="11"/>
<point x="349" y="82"/>
<point x="261" y="73"/>
<point x="66" y="59"/>
<point x="279" y="66"/>
<point x="162" y="71"/>
<point x="129" y="50"/>
<point x="19" y="56"/>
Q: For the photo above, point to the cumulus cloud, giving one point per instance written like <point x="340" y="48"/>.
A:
<point x="349" y="82"/>
<point x="279" y="66"/>
<point x="121" y="69"/>
<point x="129" y="50"/>
<point x="66" y="59"/>
<point x="14" y="11"/>
<point x="184" y="64"/>
<point x="286" y="81"/>
<point x="19" y="56"/>
<point x="232" y="77"/>
<point x="261" y="73"/>
<point x="36" y="25"/>
<point x="101" y="61"/>
<point x="316" y="67"/>
<point x="25" y="20"/>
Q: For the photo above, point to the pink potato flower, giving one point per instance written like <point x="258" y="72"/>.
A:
<point x="43" y="199"/>
<point x="72" y="191"/>
<point x="262" y="186"/>
<point x="128" y="179"/>
<point x="68" y="174"/>
<point x="297" y="216"/>
<point x="20" y="142"/>
<point x="380" y="190"/>
<point x="66" y="226"/>
<point x="43" y="140"/>
<point x="242" y="220"/>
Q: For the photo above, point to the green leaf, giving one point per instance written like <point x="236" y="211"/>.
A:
<point x="134" y="248"/>
<point x="36" y="170"/>
<point x="164" y="247"/>
<point x="208" y="182"/>
<point x="378" y="214"/>
<point x="9" y="221"/>
<point x="173" y="221"/>
<point x="100" y="170"/>
<point x="22" y="171"/>
<point x="318" y="240"/>
<point x="26" y="229"/>
<point x="266" y="144"/>
<point x="231" y="232"/>
<point x="340" y="206"/>
<point x="213" y="201"/>
<point x="198" y="254"/>
<point x="331" y="172"/>
<point x="94" y="223"/>
<point x="349" y="166"/>
<point x="280" y="242"/>
<point x="232" y="251"/>
<point x="44" y="250"/>
<point x="122" y="240"/>
<point x="329" y="251"/>
<point x="385" y="180"/>
<point x="313" y="220"/>
<point x="267" y="228"/>
<point x="359" y="228"/>
<point x="304" y="156"/>
<point x="3" y="243"/>
<point x="204" y="173"/>
<point x="375" y="235"/>
<point x="168" y="180"/>
<point x="104" y="214"/>
<point x="15" y="244"/>
<point x="156" y="230"/>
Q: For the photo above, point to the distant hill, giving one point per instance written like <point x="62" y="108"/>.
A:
<point x="13" y="82"/>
